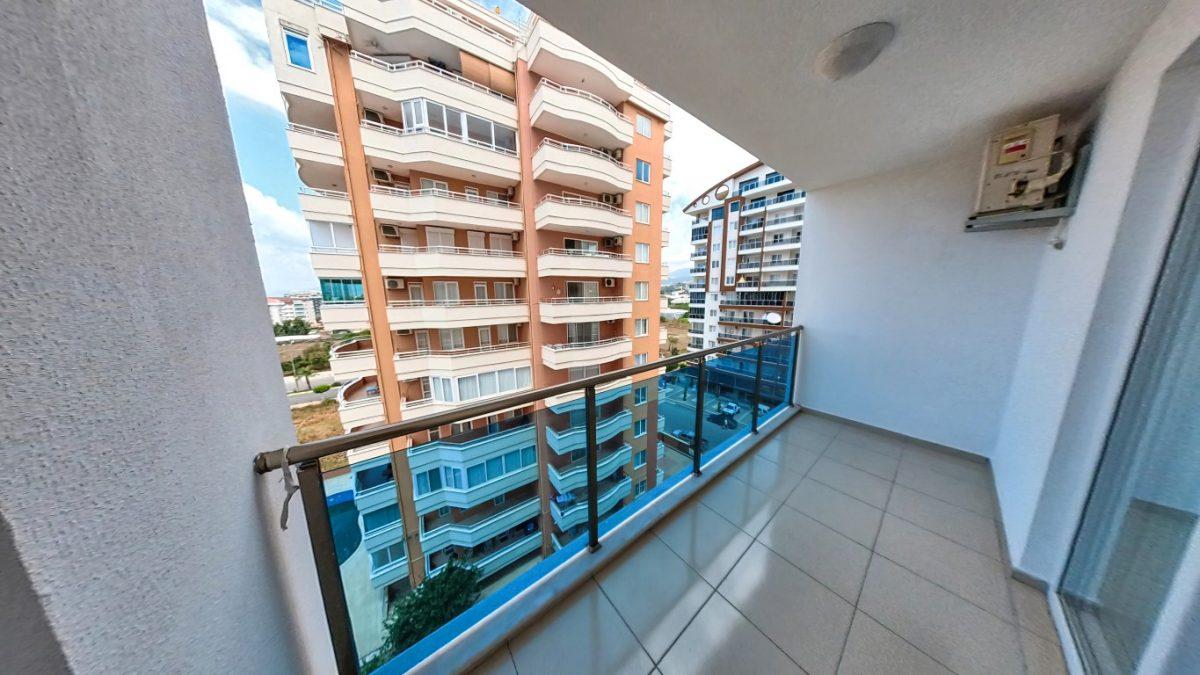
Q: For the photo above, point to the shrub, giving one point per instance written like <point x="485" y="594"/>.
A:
<point x="321" y="388"/>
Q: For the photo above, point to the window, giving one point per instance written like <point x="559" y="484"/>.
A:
<point x="641" y="290"/>
<point x="422" y="113"/>
<point x="718" y="212"/>
<point x="639" y="428"/>
<point x="641" y="327"/>
<point x="342" y="290"/>
<point x="747" y="185"/>
<point x="643" y="213"/>
<point x="643" y="171"/>
<point x="331" y="235"/>
<point x="640" y="359"/>
<point x="443" y="512"/>
<point x="642" y="253"/>
<point x="640" y="488"/>
<point x="639" y="396"/>
<point x="716" y="264"/>
<point x="773" y="177"/>
<point x="639" y="458"/>
<point x="381" y="518"/>
<point x="734" y="207"/>
<point x="580" y="333"/>
<point x="757" y="202"/>
<point x="296" y="45"/>
<point x="452" y="338"/>
<point x="643" y="125"/>
<point x="373" y="477"/>
<point x="583" y="289"/>
<point x="580" y="372"/>
<point x="586" y="245"/>
<point x="386" y="556"/>
<point x="497" y="501"/>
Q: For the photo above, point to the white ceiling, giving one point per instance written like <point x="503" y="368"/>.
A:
<point x="956" y="72"/>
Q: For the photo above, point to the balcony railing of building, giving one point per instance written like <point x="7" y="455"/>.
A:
<point x="586" y="344"/>
<point x="699" y="386"/>
<point x="450" y="250"/>
<point x="464" y="351"/>
<point x="583" y="201"/>
<point x="317" y="192"/>
<point x="586" y="95"/>
<point x="587" y="300"/>
<point x="429" y="67"/>
<point x="456" y="302"/>
<point x="774" y="178"/>
<point x="583" y="253"/>
<point x="742" y="189"/>
<point x="312" y="131"/>
<point x="584" y="150"/>
<point x="457" y="138"/>
<point x="751" y="321"/>
<point x="697" y="286"/>
<point x="787" y="262"/>
<point x="445" y="194"/>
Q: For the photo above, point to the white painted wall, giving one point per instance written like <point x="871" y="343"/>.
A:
<point x="126" y="434"/>
<point x="912" y="324"/>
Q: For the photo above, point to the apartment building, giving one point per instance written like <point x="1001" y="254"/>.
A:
<point x="745" y="255"/>
<point x="304" y="305"/>
<point x="486" y="199"/>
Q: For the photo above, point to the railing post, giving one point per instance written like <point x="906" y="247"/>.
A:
<point x="329" y="575"/>
<point x="757" y="386"/>
<point x="593" y="489"/>
<point x="698" y="434"/>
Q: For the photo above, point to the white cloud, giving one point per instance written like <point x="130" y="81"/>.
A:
<point x="239" y="37"/>
<point x="699" y="158"/>
<point x="281" y="238"/>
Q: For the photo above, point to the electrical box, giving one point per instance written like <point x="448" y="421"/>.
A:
<point x="1023" y="167"/>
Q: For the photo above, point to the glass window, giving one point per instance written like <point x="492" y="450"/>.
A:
<point x="452" y="477"/>
<point x="507" y="379"/>
<point x="773" y="177"/>
<point x="747" y="185"/>
<point x="373" y="477"/>
<point x="643" y="213"/>
<point x="643" y="125"/>
<point x="505" y="138"/>
<point x="641" y="327"/>
<point x="639" y="396"/>
<point x="342" y="290"/>
<point x="380" y="518"/>
<point x="718" y="212"/>
<point x="479" y="130"/>
<point x="512" y="461"/>
<point x="297" y="49"/>
<point x="757" y="202"/>
<point x="639" y="459"/>
<point x="639" y="428"/>
<point x="468" y="388"/>
<point x="476" y="474"/>
<point x="495" y="468"/>
<point x="642" y="253"/>
<point x="487" y="384"/>
<point x="386" y="556"/>
<point x="640" y="359"/>
<point x="734" y="207"/>
<point x="523" y="377"/>
<point x="639" y="489"/>
<point x="642" y="290"/>
<point x="529" y="455"/>
<point x="436" y="114"/>
<point x="643" y="171"/>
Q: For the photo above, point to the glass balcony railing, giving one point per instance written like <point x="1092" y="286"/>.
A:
<point x="422" y="528"/>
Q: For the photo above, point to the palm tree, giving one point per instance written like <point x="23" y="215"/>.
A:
<point x="305" y="372"/>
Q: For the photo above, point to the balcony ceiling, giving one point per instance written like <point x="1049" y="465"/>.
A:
<point x="955" y="73"/>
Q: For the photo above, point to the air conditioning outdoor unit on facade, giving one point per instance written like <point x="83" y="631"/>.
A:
<point x="610" y="282"/>
<point x="612" y="199"/>
<point x="389" y="230"/>
<point x="394" y="284"/>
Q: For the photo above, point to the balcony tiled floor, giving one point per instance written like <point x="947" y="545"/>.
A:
<point x="827" y="549"/>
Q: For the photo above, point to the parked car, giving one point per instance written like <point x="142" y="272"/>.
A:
<point x="689" y="437"/>
<point x="722" y="419"/>
<point x="730" y="408"/>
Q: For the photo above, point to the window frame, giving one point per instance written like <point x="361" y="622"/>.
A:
<point x="287" y="52"/>
<point x="649" y="132"/>
<point x="639" y="163"/>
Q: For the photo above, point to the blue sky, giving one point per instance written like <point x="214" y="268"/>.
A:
<point x="238" y="32"/>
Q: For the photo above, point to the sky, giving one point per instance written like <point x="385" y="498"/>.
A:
<point x="238" y="31"/>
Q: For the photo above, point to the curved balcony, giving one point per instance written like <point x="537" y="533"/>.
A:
<point x="576" y="310"/>
<point x="580" y="167"/>
<point x="352" y="359"/>
<point x="344" y="315"/>
<point x="455" y="362"/>
<point x="575" y="438"/>
<point x="419" y="79"/>
<point x="433" y="151"/>
<point x="574" y="475"/>
<point x="572" y="355"/>
<point x="477" y="32"/>
<point x="579" y="115"/>
<point x="478" y="529"/>
<point x="329" y="205"/>
<point x="359" y="402"/>
<point x="604" y="393"/>
<point x="561" y="262"/>
<point x="450" y="261"/>
<point x="410" y="314"/>
<point x="582" y="216"/>
<point x="329" y="261"/>
<point x="310" y="144"/>
<point x="570" y="516"/>
<point x="432" y="206"/>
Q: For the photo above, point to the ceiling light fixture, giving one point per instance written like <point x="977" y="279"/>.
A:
<point x="851" y="52"/>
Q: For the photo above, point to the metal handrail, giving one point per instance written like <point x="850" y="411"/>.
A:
<point x="424" y="65"/>
<point x="456" y="302"/>
<point x="312" y="131"/>
<point x="308" y="452"/>
<point x="451" y="250"/>
<point x="584" y="94"/>
<point x="587" y="300"/>
<point x="438" y="192"/>
<point x="584" y="149"/>
<point x="470" y="22"/>
<point x="503" y="346"/>
<point x="585" y="253"/>
<point x="317" y="192"/>
<point x="564" y="346"/>
<point x="581" y="201"/>
<point x="398" y="131"/>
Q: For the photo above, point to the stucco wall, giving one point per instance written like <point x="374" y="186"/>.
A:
<point x="140" y="375"/>
<point x="912" y="324"/>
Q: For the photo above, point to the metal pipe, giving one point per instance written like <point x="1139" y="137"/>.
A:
<point x="329" y="574"/>
<point x="757" y="387"/>
<point x="593" y="489"/>
<point x="698" y="434"/>
<point x="297" y="454"/>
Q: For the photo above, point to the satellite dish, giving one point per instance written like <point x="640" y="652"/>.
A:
<point x="773" y="318"/>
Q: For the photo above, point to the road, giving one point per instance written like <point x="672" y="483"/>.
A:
<point x="310" y="397"/>
<point x="681" y="414"/>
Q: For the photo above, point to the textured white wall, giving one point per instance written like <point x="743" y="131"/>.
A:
<point x="140" y="375"/>
<point x="910" y="323"/>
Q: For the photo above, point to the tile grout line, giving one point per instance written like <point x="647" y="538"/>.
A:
<point x="638" y="640"/>
<point x="512" y="658"/>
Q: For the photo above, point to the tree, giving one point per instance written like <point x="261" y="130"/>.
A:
<point x="305" y="372"/>
<point x="292" y="327"/>
<point x="430" y="605"/>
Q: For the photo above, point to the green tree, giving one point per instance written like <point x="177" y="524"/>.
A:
<point x="292" y="327"/>
<point x="305" y="372"/>
<point x="430" y="605"/>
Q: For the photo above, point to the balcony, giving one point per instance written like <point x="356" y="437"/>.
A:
<point x="328" y="205"/>
<point x="561" y="262"/>
<point x="505" y="556"/>
<point x="353" y="359"/>
<point x="437" y="152"/>
<point x="344" y="315"/>
<point x="667" y="163"/>
<point x="580" y="167"/>
<point x="419" y="79"/>
<point x="604" y="393"/>
<point x="310" y="144"/>
<point x="331" y="262"/>
<point x="781" y="244"/>
<point x="418" y="314"/>
<point x="477" y="32"/>
<point x="476" y="529"/>
<point x="359" y="403"/>
<point x="594" y="353"/>
<point x="432" y="206"/>
<point x="456" y="362"/>
<point x="574" y="438"/>
<point x="450" y="261"/>
<point x="577" y="310"/>
<point x="579" y="115"/>
<point x="574" y="475"/>
<point x="567" y="517"/>
<point x="582" y="216"/>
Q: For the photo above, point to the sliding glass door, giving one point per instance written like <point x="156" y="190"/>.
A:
<point x="1138" y="549"/>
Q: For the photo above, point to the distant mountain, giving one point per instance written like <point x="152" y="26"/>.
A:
<point x="679" y="276"/>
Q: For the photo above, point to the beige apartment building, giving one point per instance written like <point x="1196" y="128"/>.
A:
<point x="486" y="199"/>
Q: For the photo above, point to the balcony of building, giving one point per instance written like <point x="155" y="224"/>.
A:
<point x="456" y="154"/>
<point x="359" y="402"/>
<point x="313" y="145"/>
<point x="451" y="261"/>
<point x="580" y="167"/>
<point x="576" y="215"/>
<point x="394" y="25"/>
<point x="569" y="510"/>
<point x="335" y="262"/>
<point x="352" y="359"/>
<point x="457" y="362"/>
<point x="563" y="355"/>
<point x="456" y="313"/>
<point x="573" y="475"/>
<point x="325" y="205"/>
<point x="561" y="262"/>
<point x="446" y="208"/>
<point x="408" y="79"/>
<point x="589" y="308"/>
<point x="579" y="115"/>
<point x="344" y="315"/>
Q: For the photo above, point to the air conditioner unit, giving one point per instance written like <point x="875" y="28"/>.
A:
<point x="613" y="242"/>
<point x="382" y="176"/>
<point x="389" y="230"/>
<point x="404" y="331"/>
<point x="394" y="284"/>
<point x="618" y="154"/>
<point x="612" y="198"/>
<point x="511" y="191"/>
<point x="516" y="236"/>
<point x="610" y="282"/>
